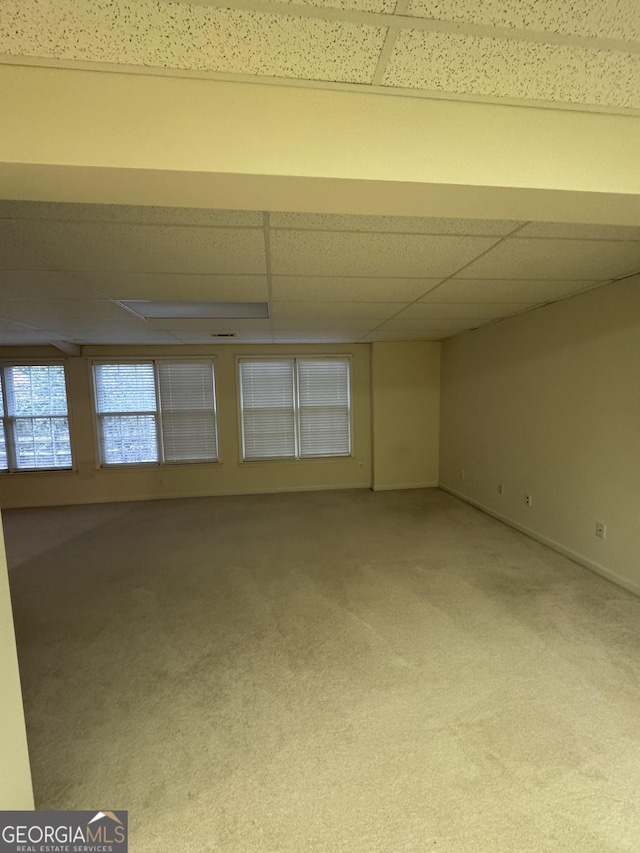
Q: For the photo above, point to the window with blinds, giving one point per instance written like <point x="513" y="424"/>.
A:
<point x="295" y="408"/>
<point x="156" y="412"/>
<point x="34" y="428"/>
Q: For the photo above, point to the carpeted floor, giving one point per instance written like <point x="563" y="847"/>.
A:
<point x="324" y="672"/>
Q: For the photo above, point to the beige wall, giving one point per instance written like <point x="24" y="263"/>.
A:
<point x="548" y="403"/>
<point x="88" y="483"/>
<point x="405" y="395"/>
<point x="15" y="774"/>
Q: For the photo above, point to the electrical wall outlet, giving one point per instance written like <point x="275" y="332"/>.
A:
<point x="527" y="500"/>
<point x="601" y="530"/>
<point x="500" y="488"/>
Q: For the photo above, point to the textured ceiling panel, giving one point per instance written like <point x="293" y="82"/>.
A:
<point x="434" y="324"/>
<point x="173" y="286"/>
<point x="144" y="248"/>
<point x="46" y="313"/>
<point x="188" y="337"/>
<point x="153" y="33"/>
<point x="328" y="312"/>
<point x="135" y="214"/>
<point x="400" y="335"/>
<point x="314" y="289"/>
<point x="37" y="284"/>
<point x="428" y="311"/>
<point x="12" y="255"/>
<point x="515" y="69"/>
<point x="390" y="224"/>
<point x="580" y="232"/>
<point x="556" y="259"/>
<point x="619" y="19"/>
<point x="525" y="292"/>
<point x="403" y="255"/>
<point x="360" y="5"/>
<point x="310" y="337"/>
<point x="211" y="325"/>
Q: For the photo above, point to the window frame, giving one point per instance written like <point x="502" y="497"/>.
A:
<point x="157" y="413"/>
<point x="8" y="420"/>
<point x="297" y="458"/>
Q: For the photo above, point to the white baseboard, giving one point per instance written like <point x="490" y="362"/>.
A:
<point x="550" y="543"/>
<point x="404" y="486"/>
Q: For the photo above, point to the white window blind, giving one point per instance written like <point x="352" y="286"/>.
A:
<point x="35" y="422"/>
<point x="267" y="400"/>
<point x="295" y="408"/>
<point x="187" y="405"/>
<point x="324" y="407"/>
<point x="156" y="412"/>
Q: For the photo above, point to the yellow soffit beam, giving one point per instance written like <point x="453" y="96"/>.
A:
<point x="72" y="135"/>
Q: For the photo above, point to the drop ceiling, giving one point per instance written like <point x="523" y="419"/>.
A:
<point x="581" y="53"/>
<point x="66" y="268"/>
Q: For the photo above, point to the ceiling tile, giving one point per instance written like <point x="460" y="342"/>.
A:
<point x="134" y="214"/>
<point x="128" y="330"/>
<point x="202" y="337"/>
<point x="26" y="336"/>
<point x="321" y="337"/>
<point x="331" y="253"/>
<point x="619" y="19"/>
<point x="460" y="310"/>
<point x="424" y="323"/>
<point x="556" y="259"/>
<point x="210" y="325"/>
<point x="497" y="67"/>
<point x="329" y="311"/>
<point x="407" y="335"/>
<point x="13" y="256"/>
<point x="192" y="36"/>
<point x="7" y="326"/>
<point x="359" y="5"/>
<point x="173" y="286"/>
<point x="43" y="313"/>
<point x="44" y="284"/>
<point x="391" y="224"/>
<point x="110" y="247"/>
<point x="493" y="290"/>
<point x="580" y="231"/>
<point x="344" y="289"/>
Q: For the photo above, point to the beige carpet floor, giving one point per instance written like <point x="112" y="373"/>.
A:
<point x="329" y="671"/>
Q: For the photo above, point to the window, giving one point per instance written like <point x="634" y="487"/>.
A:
<point x="295" y="408"/>
<point x="34" y="429"/>
<point x="156" y="412"/>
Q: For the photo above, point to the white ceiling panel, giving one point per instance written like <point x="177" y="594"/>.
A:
<point x="556" y="259"/>
<point x="417" y="324"/>
<point x="44" y="284"/>
<point x="26" y="337"/>
<point x="210" y="325"/>
<point x="329" y="311"/>
<point x="400" y="335"/>
<point x="460" y="310"/>
<point x="618" y="19"/>
<point x="174" y="286"/>
<point x="358" y="5"/>
<point x="331" y="253"/>
<point x="487" y="290"/>
<point x="391" y="224"/>
<point x="8" y="326"/>
<point x="344" y="289"/>
<point x="43" y="312"/>
<point x="101" y="247"/>
<point x="499" y="67"/>
<point x="580" y="231"/>
<point x="14" y="256"/>
<point x="203" y="337"/>
<point x="193" y="36"/>
<point x="98" y="331"/>
<point x="334" y="336"/>
<point x="134" y="214"/>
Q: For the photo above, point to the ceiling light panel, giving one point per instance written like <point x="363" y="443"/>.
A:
<point x="197" y="310"/>
<point x="330" y="253"/>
